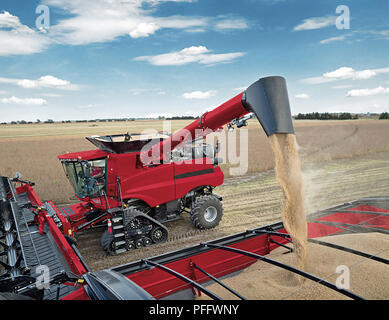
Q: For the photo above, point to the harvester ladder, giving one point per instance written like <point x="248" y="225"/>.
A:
<point x="119" y="239"/>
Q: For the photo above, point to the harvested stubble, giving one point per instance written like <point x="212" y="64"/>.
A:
<point x="368" y="278"/>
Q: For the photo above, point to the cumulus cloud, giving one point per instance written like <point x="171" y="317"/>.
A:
<point x="25" y="101"/>
<point x="367" y="92"/>
<point x="194" y="54"/>
<point x="101" y="21"/>
<point x="349" y="73"/>
<point x="346" y="73"/>
<point x="47" y="81"/>
<point x="315" y="23"/>
<point x="199" y="94"/>
<point x="302" y="96"/>
<point x="19" y="39"/>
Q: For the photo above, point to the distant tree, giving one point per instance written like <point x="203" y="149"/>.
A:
<point x="326" y="116"/>
<point x="38" y="121"/>
<point x="49" y="121"/>
<point x="384" y="115"/>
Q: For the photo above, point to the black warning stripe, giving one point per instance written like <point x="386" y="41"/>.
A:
<point x="193" y="173"/>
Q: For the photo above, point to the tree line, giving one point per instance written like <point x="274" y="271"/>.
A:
<point x="326" y="116"/>
<point x="384" y="115"/>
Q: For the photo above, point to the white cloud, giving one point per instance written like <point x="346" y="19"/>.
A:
<point x="302" y="96"/>
<point x="199" y="94"/>
<point x="367" y="92"/>
<point x="345" y="73"/>
<point x="199" y="54"/>
<point x="231" y="23"/>
<point x="26" y="101"/>
<point x="47" y="81"/>
<point x="316" y="23"/>
<point x="349" y="73"/>
<point x="101" y="21"/>
<point x="144" y="29"/>
<point x="18" y="39"/>
<point x="333" y="39"/>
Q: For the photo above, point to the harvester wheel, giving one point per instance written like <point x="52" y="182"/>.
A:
<point x="147" y="241"/>
<point x="206" y="212"/>
<point x="130" y="245"/>
<point x="138" y="243"/>
<point x="107" y="242"/>
<point x="158" y="235"/>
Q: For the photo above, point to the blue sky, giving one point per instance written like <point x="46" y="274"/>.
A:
<point x="138" y="58"/>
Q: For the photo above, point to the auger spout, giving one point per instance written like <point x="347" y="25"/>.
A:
<point x="266" y="98"/>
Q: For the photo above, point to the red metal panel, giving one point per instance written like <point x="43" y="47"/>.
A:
<point x="217" y="262"/>
<point x="154" y="185"/>
<point x="85" y="155"/>
<point x="369" y="208"/>
<point x="67" y="251"/>
<point x="356" y="218"/>
<point x="316" y="230"/>
<point x="199" y="177"/>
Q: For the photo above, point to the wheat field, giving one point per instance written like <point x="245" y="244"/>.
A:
<point x="32" y="149"/>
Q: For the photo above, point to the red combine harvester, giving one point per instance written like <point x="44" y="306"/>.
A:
<point x="129" y="186"/>
<point x="139" y="184"/>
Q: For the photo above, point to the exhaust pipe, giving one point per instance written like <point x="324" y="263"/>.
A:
<point x="268" y="99"/>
